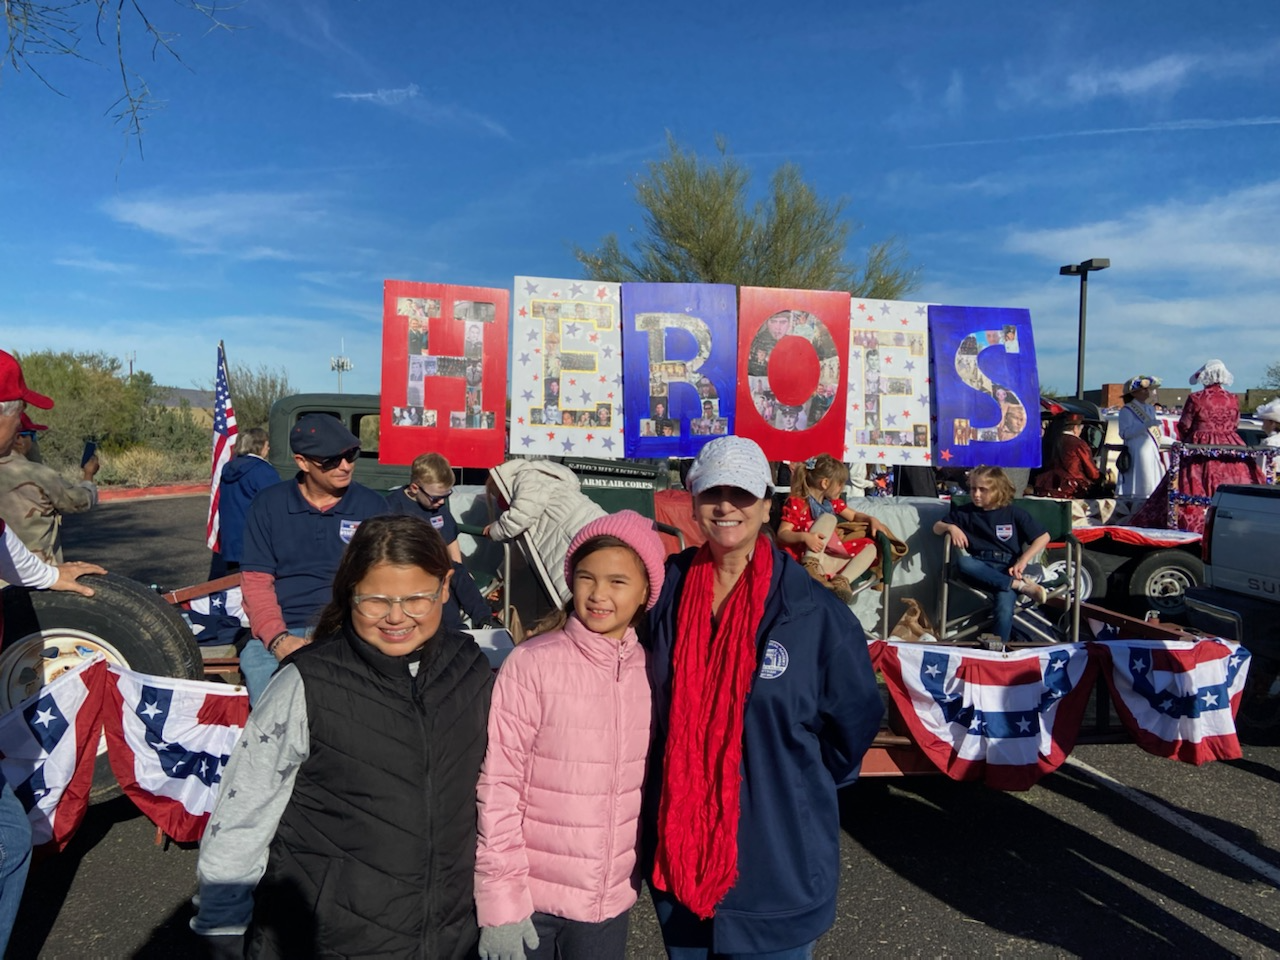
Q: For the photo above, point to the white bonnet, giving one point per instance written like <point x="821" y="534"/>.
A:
<point x="1214" y="371"/>
<point x="1269" y="411"/>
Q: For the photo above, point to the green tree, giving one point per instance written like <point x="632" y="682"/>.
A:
<point x="40" y="33"/>
<point x="701" y="227"/>
<point x="1271" y="377"/>
<point x="254" y="390"/>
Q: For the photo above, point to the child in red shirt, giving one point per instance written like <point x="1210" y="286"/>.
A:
<point x="809" y="520"/>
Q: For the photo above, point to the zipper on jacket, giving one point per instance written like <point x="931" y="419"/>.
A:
<point x="428" y="926"/>
<point x="613" y="785"/>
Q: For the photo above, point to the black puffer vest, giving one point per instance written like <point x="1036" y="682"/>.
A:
<point x="375" y="853"/>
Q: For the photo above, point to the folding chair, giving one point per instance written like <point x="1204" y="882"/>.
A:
<point x="1055" y="517"/>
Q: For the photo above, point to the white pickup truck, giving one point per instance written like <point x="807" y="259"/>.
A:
<point x="1240" y="596"/>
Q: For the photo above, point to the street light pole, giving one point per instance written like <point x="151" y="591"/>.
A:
<point x="1082" y="270"/>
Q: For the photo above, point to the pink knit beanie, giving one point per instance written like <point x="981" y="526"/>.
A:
<point x="635" y="531"/>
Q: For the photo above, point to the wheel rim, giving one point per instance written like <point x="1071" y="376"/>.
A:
<point x="1058" y="568"/>
<point x="33" y="661"/>
<point x="1166" y="587"/>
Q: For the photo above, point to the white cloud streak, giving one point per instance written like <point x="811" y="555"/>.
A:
<point x="1164" y="126"/>
<point x="1230" y="235"/>
<point x="384" y="98"/>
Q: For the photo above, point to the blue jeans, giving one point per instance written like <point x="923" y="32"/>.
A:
<point x="992" y="575"/>
<point x="688" y="938"/>
<point x="256" y="666"/>
<point x="15" y="858"/>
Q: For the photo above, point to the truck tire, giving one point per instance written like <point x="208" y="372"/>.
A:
<point x="1161" y="578"/>
<point x="47" y="633"/>
<point x="1093" y="580"/>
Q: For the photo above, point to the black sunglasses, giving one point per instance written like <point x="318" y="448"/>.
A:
<point x="331" y="463"/>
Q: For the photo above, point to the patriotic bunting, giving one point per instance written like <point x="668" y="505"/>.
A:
<point x="48" y="746"/>
<point x="169" y="741"/>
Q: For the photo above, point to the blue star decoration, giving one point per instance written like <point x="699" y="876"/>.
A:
<point x="570" y="329"/>
<point x="910" y="365"/>
<point x="530" y="287"/>
<point x="533" y="335"/>
<point x="575" y="290"/>
<point x="527" y="395"/>
<point x="607" y="352"/>
<point x="524" y="359"/>
<point x="885" y="310"/>
<point x="526" y="440"/>
<point x="567" y="444"/>
<point x="921" y="311"/>
<point x="607" y="443"/>
<point x="586" y="396"/>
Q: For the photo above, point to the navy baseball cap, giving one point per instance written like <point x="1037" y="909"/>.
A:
<point x="319" y="435"/>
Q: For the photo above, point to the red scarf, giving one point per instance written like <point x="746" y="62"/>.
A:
<point x="697" y="852"/>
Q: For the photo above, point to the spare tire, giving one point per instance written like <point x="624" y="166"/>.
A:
<point x="47" y="633"/>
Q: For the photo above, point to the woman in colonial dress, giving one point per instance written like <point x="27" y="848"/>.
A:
<point x="1209" y="418"/>
<point x="1139" y="429"/>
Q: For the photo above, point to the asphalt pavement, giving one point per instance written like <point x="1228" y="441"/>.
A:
<point x="1117" y="854"/>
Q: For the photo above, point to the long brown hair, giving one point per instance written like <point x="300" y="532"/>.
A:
<point x="557" y="618"/>
<point x="399" y="540"/>
<point x="811" y="473"/>
<point x="1001" y="485"/>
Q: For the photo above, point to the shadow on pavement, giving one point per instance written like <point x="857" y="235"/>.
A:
<point x="968" y="846"/>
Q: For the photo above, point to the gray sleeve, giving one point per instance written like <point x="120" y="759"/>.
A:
<point x="255" y="790"/>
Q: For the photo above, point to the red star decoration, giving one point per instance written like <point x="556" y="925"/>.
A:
<point x="602" y="381"/>
<point x="862" y="307"/>
<point x="946" y="455"/>
<point x="888" y="359"/>
<point x="928" y="380"/>
<point x="535" y="376"/>
<point x="880" y="454"/>
<point x="551" y="435"/>
<point x="857" y="406"/>
<point x="523" y="312"/>
<point x="594" y="337"/>
<point x="904" y="321"/>
<point x="572" y="382"/>
<point x="927" y="457"/>
<point x="601" y="293"/>
<point x="610" y="396"/>
<point x="555" y="294"/>
<point x="906" y="414"/>
<point x="537" y="349"/>
<point x="519" y="419"/>
<point x="590" y="437"/>
<point x="871" y="318"/>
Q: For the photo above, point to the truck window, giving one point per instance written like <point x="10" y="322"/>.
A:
<point x="367" y="428"/>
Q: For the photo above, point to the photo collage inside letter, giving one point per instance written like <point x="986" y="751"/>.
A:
<point x="566" y="377"/>
<point x="889" y="388"/>
<point x="421" y="365"/>
<point x="776" y="411"/>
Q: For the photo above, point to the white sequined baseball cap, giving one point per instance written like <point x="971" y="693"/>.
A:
<point x="731" y="462"/>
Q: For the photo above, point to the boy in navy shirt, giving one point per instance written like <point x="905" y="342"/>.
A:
<point x="1001" y="540"/>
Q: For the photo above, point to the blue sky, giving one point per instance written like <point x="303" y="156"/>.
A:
<point x="327" y="145"/>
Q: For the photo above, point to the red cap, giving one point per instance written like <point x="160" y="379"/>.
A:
<point x="14" y="387"/>
<point x="26" y="423"/>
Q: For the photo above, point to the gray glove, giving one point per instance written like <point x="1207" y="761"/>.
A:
<point x="507" y="941"/>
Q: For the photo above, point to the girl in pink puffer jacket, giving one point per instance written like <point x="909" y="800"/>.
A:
<point x="569" y="730"/>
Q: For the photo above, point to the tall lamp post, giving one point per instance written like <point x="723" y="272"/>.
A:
<point x="1082" y="270"/>
<point x="340" y="364"/>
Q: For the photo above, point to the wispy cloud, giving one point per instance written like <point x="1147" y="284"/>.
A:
<point x="94" y="264"/>
<point x="384" y="98"/>
<point x="953" y="96"/>
<point x="235" y="223"/>
<point x="1231" y="235"/>
<point x="1164" y="126"/>
<point x="1163" y="76"/>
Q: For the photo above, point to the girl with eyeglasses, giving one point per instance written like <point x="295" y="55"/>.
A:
<point x="346" y="821"/>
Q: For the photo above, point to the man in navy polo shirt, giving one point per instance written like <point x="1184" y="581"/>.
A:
<point x="294" y="536"/>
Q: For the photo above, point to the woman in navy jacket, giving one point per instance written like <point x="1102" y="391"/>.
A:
<point x="765" y="703"/>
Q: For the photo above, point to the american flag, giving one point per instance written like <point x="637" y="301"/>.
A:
<point x="224" y="439"/>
